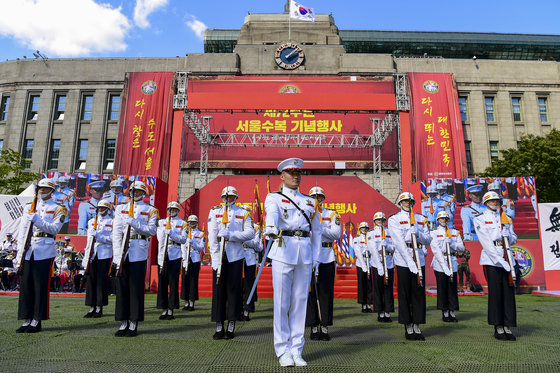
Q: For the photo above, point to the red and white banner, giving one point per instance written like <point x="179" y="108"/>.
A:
<point x="437" y="130"/>
<point x="145" y="124"/>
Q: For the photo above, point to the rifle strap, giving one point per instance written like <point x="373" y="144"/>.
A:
<point x="297" y="207"/>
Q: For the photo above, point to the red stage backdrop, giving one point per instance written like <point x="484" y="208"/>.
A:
<point x="437" y="131"/>
<point x="145" y="124"/>
<point x="293" y="106"/>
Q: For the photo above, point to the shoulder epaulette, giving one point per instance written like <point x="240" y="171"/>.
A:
<point x="215" y="207"/>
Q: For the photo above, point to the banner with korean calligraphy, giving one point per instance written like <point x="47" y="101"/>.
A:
<point x="437" y="131"/>
<point x="549" y="215"/>
<point x="304" y="106"/>
<point x="145" y="124"/>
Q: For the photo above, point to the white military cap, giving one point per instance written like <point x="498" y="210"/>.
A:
<point x="46" y="183"/>
<point x="290" y="164"/>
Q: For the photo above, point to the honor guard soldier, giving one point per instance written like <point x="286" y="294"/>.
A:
<point x="495" y="233"/>
<point x="87" y="209"/>
<point x="191" y="251"/>
<point x="69" y="198"/>
<point x="507" y="204"/>
<point x="381" y="249"/>
<point x="430" y="206"/>
<point x="446" y="243"/>
<point x="363" y="268"/>
<point x="37" y="262"/>
<point x="293" y="224"/>
<point x="97" y="260"/>
<point x="9" y="243"/>
<point x="115" y="194"/>
<point x="409" y="232"/>
<point x="446" y="203"/>
<point x="171" y="234"/>
<point x="251" y="248"/>
<point x="228" y="227"/>
<point x="321" y="296"/>
<point x="469" y="212"/>
<point x="139" y="223"/>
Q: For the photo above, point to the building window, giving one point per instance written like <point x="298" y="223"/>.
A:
<point x="33" y="110"/>
<point x="468" y="155"/>
<point x="114" y="107"/>
<point x="4" y="106"/>
<point x="110" y="147"/>
<point x="54" y="154"/>
<point x="489" y="107"/>
<point x="463" y="108"/>
<point x="516" y="108"/>
<point x="494" y="153"/>
<point x="1" y="145"/>
<point x="543" y="109"/>
<point x="28" y="152"/>
<point x="60" y="107"/>
<point x="82" y="155"/>
<point x="87" y="107"/>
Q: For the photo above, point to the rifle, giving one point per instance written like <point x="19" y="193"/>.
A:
<point x="126" y="237"/>
<point x="383" y="259"/>
<point x="225" y="222"/>
<point x="367" y="256"/>
<point x="507" y="249"/>
<point x="91" y="243"/>
<point x="261" y="266"/>
<point x="165" y="255"/>
<point x="448" y="253"/>
<point x="316" y="283"/>
<point x="29" y="232"/>
<point x="415" y="254"/>
<point x="189" y="247"/>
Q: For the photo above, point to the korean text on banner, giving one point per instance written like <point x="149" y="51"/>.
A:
<point x="145" y="124"/>
<point x="437" y="135"/>
<point x="549" y="216"/>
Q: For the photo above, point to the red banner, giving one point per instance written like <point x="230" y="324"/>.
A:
<point x="290" y="106"/>
<point x="437" y="131"/>
<point x="145" y="124"/>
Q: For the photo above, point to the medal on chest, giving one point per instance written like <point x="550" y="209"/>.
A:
<point x="285" y="215"/>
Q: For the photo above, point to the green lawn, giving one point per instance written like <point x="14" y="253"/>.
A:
<point x="70" y="343"/>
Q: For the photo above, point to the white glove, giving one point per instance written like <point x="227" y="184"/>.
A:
<point x="91" y="232"/>
<point x="223" y="232"/>
<point x="383" y="242"/>
<point x="271" y="232"/>
<point x="505" y="265"/>
<point x="505" y="233"/>
<point x="412" y="267"/>
<point x="30" y="217"/>
<point x="380" y="271"/>
<point x="413" y="229"/>
<point x="447" y="271"/>
<point x="129" y="220"/>
<point x="167" y="231"/>
<point x="407" y="236"/>
<point x="189" y="241"/>
<point x="447" y="240"/>
<point x="315" y="265"/>
<point x="468" y="237"/>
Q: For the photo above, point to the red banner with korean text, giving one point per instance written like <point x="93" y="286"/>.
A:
<point x="145" y="124"/>
<point x="437" y="131"/>
<point x="302" y="106"/>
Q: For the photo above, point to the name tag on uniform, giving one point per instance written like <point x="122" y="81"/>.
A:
<point x="404" y="222"/>
<point x="144" y="213"/>
<point x="239" y="217"/>
<point x="285" y="201"/>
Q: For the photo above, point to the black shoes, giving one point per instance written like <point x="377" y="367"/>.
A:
<point x="132" y="333"/>
<point x="121" y="332"/>
<point x="163" y="316"/>
<point x="89" y="315"/>
<point x="409" y="336"/>
<point x="219" y="335"/>
<point x="500" y="336"/>
<point x="324" y="335"/>
<point x="33" y="329"/>
<point x="22" y="329"/>
<point x="185" y="308"/>
<point x="314" y="334"/>
<point x="419" y="337"/>
<point x="387" y="319"/>
<point x="510" y="337"/>
<point x="381" y="318"/>
<point x="170" y="316"/>
<point x="229" y="335"/>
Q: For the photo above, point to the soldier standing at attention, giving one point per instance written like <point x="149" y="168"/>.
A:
<point x="171" y="234"/>
<point x="34" y="290"/>
<point x="323" y="274"/>
<point x="228" y="227"/>
<point x="251" y="248"/>
<point x="129" y="305"/>
<point x="493" y="233"/>
<point x="363" y="268"/>
<point x="407" y="231"/>
<point x="194" y="245"/>
<point x="293" y="224"/>
<point x="446" y="243"/>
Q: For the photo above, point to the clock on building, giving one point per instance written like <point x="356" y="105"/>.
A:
<point x="289" y="56"/>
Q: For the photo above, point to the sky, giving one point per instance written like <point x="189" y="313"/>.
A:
<point x="169" y="28"/>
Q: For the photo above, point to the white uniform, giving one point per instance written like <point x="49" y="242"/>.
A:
<point x="488" y="229"/>
<point x="360" y="247"/>
<point x="439" y="262"/>
<point x="375" y="241"/>
<point x="177" y="237"/>
<point x="253" y="247"/>
<point x="103" y="247"/>
<point x="292" y="260"/>
<point x="197" y="247"/>
<point x="144" y="225"/>
<point x="330" y="233"/>
<point x="399" y="226"/>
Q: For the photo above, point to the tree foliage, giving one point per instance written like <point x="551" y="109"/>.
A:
<point x="12" y="172"/>
<point x="537" y="156"/>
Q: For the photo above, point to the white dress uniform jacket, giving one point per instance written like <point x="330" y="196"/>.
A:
<point x="240" y="229"/>
<point x="439" y="262"/>
<point x="177" y="237"/>
<point x="144" y="223"/>
<point x="103" y="239"/>
<point x="281" y="213"/>
<point x="375" y="242"/>
<point x="49" y="218"/>
<point x="197" y="247"/>
<point x="359" y="249"/>
<point x="489" y="230"/>
<point x="115" y="199"/>
<point x="399" y="226"/>
<point x="254" y="246"/>
<point x="331" y="232"/>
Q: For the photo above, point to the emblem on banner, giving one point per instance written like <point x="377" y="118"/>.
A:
<point x="430" y="86"/>
<point x="148" y="87"/>
<point x="289" y="89"/>
<point x="524" y="259"/>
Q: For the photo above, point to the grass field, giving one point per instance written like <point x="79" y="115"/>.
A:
<point x="70" y="343"/>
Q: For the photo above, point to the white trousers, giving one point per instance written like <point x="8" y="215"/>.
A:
<point x="291" y="288"/>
